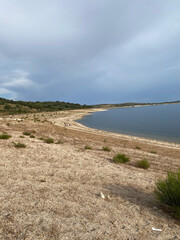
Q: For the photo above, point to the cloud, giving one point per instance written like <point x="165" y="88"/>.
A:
<point x="89" y="51"/>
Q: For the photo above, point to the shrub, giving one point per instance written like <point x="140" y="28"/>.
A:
<point x="137" y="147"/>
<point x="32" y="136"/>
<point x="21" y="136"/>
<point x="27" y="133"/>
<point x="143" y="164"/>
<point x="154" y="152"/>
<point x="121" y="158"/>
<point x="87" y="147"/>
<point x="59" y="142"/>
<point x="5" y="136"/>
<point x="48" y="140"/>
<point x="168" y="191"/>
<point x="41" y="138"/>
<point x="107" y="149"/>
<point x="19" y="145"/>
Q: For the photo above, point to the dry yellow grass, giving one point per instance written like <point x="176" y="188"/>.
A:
<point x="52" y="191"/>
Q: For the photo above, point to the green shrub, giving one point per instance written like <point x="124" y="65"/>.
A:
<point x="21" y="136"/>
<point x="48" y="140"/>
<point x="32" y="136"/>
<point x="59" y="142"/>
<point x="154" y="152"/>
<point x="41" y="138"/>
<point x="143" y="164"/>
<point x="19" y="145"/>
<point x="107" y="149"/>
<point x="168" y="191"/>
<point x="137" y="147"/>
<point x="87" y="147"/>
<point x="5" y="136"/>
<point x="27" y="133"/>
<point x="121" y="158"/>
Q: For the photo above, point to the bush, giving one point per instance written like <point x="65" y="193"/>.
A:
<point x="5" y="136"/>
<point x="48" y="140"/>
<point x="41" y="138"/>
<point x="19" y="145"/>
<point x="59" y="142"/>
<point x="107" y="149"/>
<point x="121" y="158"/>
<point x="87" y="147"/>
<point x="32" y="136"/>
<point x="143" y="164"/>
<point x="27" y="133"/>
<point x="137" y="147"/>
<point x="168" y="191"/>
<point x="154" y="152"/>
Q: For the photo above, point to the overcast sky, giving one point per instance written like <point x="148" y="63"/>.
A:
<point x="90" y="51"/>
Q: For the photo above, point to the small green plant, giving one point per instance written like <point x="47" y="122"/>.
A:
<point x="137" y="147"/>
<point x="41" y="138"/>
<point x="48" y="140"/>
<point x="5" y="136"/>
<point x="8" y="124"/>
<point x="32" y="136"/>
<point x="19" y="145"/>
<point x="154" y="152"/>
<point x="105" y="140"/>
<point x="87" y="147"/>
<point x="26" y="133"/>
<point x="121" y="158"/>
<point x="168" y="191"/>
<point x="21" y="136"/>
<point x="106" y="149"/>
<point x="59" y="142"/>
<point x="143" y="164"/>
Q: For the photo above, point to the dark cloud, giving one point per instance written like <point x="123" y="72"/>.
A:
<point x="90" y="51"/>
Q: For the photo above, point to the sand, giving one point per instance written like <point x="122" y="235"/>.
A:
<point x="53" y="191"/>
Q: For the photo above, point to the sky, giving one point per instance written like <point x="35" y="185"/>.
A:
<point x="89" y="51"/>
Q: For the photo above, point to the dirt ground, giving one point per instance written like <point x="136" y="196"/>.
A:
<point x="62" y="191"/>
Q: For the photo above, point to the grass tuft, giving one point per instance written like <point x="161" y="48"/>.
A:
<point x="168" y="191"/>
<point x="106" y="149"/>
<point x="19" y="145"/>
<point x="121" y="158"/>
<point x="87" y="147"/>
<point x="26" y="133"/>
<point x="32" y="136"/>
<point x="5" y="136"/>
<point x="143" y="164"/>
<point x="48" y="140"/>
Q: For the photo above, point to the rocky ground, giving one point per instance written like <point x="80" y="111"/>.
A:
<point x="62" y="191"/>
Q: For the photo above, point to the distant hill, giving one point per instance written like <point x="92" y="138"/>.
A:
<point x="16" y="107"/>
<point x="131" y="104"/>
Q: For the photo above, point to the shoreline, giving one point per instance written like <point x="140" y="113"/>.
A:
<point x="79" y="114"/>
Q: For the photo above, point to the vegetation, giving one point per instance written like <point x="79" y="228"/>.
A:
<point x="48" y="140"/>
<point x="121" y="158"/>
<point x="59" y="142"/>
<point x="106" y="149"/>
<point x="168" y="191"/>
<point x="5" y="136"/>
<point x="143" y="164"/>
<point x="137" y="147"/>
<point x="32" y="136"/>
<point x="41" y="138"/>
<point x="27" y="133"/>
<point x="154" y="152"/>
<point x="87" y="147"/>
<point x="17" y="107"/>
<point x="19" y="145"/>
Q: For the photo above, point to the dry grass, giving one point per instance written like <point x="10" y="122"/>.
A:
<point x="53" y="192"/>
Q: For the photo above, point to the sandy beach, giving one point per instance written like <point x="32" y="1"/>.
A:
<point x="62" y="191"/>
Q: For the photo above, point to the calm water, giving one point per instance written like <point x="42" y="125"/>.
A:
<point x="161" y="122"/>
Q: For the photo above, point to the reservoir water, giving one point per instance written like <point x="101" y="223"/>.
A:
<point x="160" y="122"/>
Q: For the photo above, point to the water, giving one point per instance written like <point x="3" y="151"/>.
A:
<point x="160" y="122"/>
